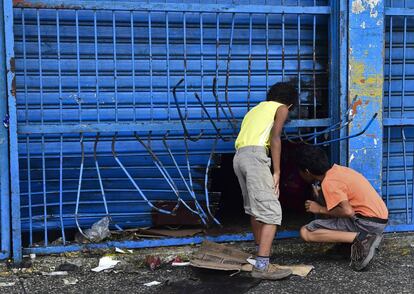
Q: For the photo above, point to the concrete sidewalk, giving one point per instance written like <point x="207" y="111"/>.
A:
<point x="392" y="271"/>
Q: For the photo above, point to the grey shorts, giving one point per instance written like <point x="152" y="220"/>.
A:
<point x="353" y="224"/>
<point x="252" y="167"/>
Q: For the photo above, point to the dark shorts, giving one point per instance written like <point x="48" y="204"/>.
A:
<point x="353" y="224"/>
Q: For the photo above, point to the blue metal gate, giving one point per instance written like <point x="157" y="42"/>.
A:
<point x="398" y="188"/>
<point x="120" y="104"/>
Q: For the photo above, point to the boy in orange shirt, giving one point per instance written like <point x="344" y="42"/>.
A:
<point x="356" y="212"/>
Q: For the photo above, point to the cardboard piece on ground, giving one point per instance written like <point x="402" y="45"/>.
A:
<point x="213" y="251"/>
<point x="299" y="270"/>
<point x="221" y="257"/>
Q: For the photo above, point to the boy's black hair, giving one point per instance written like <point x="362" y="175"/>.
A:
<point x="313" y="159"/>
<point x="283" y="92"/>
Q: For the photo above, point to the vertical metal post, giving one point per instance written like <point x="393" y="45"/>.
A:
<point x="366" y="76"/>
<point x="6" y="29"/>
<point x="4" y="140"/>
<point x="338" y="33"/>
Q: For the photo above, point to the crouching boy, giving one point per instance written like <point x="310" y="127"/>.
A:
<point x="356" y="213"/>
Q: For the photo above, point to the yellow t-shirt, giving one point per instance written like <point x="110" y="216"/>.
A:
<point x="257" y="125"/>
<point x="342" y="183"/>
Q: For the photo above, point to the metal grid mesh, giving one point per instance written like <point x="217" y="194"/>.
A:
<point x="85" y="76"/>
<point x="398" y="113"/>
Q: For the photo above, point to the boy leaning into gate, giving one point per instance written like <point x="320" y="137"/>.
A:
<point x="260" y="135"/>
<point x="356" y="213"/>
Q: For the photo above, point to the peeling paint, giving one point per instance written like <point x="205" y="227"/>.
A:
<point x="352" y="157"/>
<point x="375" y="141"/>
<point x="357" y="7"/>
<point x="363" y="25"/>
<point x="364" y="86"/>
<point x="356" y="104"/>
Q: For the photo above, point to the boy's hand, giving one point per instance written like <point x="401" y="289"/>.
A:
<point x="276" y="178"/>
<point x="312" y="206"/>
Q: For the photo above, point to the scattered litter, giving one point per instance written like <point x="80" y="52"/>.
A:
<point x="181" y="263"/>
<point x="301" y="270"/>
<point x="70" y="281"/>
<point x="119" y="250"/>
<point x="153" y="283"/>
<point x="251" y="261"/>
<point x="57" y="273"/>
<point x="105" y="263"/>
<point x="58" y="241"/>
<point x="99" y="230"/>
<point x="412" y="245"/>
<point x="68" y="267"/>
<point x="221" y="257"/>
<point x="32" y="256"/>
<point x="153" y="262"/>
<point x="7" y="284"/>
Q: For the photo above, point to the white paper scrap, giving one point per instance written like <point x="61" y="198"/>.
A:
<point x="153" y="283"/>
<point x="105" y="263"/>
<point x="181" y="263"/>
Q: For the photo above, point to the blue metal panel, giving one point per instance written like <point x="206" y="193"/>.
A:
<point x="93" y="74"/>
<point x="5" y="245"/>
<point x="398" y="140"/>
<point x="366" y="21"/>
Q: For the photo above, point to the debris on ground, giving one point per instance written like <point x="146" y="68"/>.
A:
<point x="301" y="270"/>
<point x="7" y="284"/>
<point x="220" y="257"/>
<point x="70" y="281"/>
<point x="98" y="232"/>
<point x="153" y="283"/>
<point x="179" y="262"/>
<point x="105" y="263"/>
<point x="119" y="250"/>
<point x="56" y="273"/>
<point x="153" y="262"/>
<point x="223" y="257"/>
<point x="32" y="256"/>
<point x="58" y="241"/>
<point x="68" y="267"/>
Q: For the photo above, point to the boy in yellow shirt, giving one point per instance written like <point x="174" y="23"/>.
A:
<point x="260" y="134"/>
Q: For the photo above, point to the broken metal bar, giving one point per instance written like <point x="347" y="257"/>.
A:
<point x="188" y="165"/>
<point x="95" y="157"/>
<point x="114" y="154"/>
<point x="191" y="192"/>
<point x="182" y="120"/>
<point x="168" y="178"/>
<point x="209" y="117"/>
<point x="206" y="182"/>
<point x="222" y="108"/>
<point x="350" y="136"/>
<point x="79" y="189"/>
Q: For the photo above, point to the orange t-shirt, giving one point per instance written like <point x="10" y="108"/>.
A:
<point x="342" y="183"/>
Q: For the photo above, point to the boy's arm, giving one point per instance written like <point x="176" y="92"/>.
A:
<point x="276" y="144"/>
<point x="343" y="209"/>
